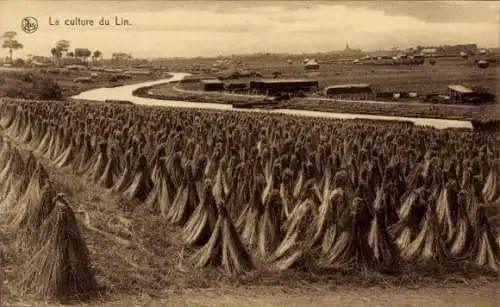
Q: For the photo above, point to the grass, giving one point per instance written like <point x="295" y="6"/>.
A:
<point x="15" y="83"/>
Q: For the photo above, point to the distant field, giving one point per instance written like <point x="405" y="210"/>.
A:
<point x="422" y="78"/>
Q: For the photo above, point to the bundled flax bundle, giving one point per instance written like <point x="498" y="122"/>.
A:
<point x="36" y="206"/>
<point x="462" y="236"/>
<point x="141" y="183"/>
<point x="84" y="158"/>
<point x="96" y="170"/>
<point x="385" y="253"/>
<point x="248" y="222"/>
<point x="428" y="245"/>
<point x="67" y="156"/>
<point x="126" y="176"/>
<point x="485" y="251"/>
<point x="201" y="224"/>
<point x="185" y="200"/>
<point x="111" y="172"/>
<point x="446" y="209"/>
<point x="270" y="232"/>
<point x="224" y="248"/>
<point x="491" y="189"/>
<point x="294" y="249"/>
<point x="327" y="223"/>
<point x="162" y="195"/>
<point x="60" y="268"/>
<point x="351" y="249"/>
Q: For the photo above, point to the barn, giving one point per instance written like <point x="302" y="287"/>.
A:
<point x="350" y="91"/>
<point x="236" y="86"/>
<point x="459" y="93"/>
<point x="273" y="86"/>
<point x="210" y="85"/>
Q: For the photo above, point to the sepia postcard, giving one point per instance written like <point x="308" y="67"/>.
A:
<point x="249" y="153"/>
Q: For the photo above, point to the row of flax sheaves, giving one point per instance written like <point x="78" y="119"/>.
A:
<point x="43" y="229"/>
<point x="284" y="204"/>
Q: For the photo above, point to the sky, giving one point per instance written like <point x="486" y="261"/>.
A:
<point x="211" y="28"/>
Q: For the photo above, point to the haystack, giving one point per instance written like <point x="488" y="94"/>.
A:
<point x="186" y="199"/>
<point x="429" y="245"/>
<point x="201" y="224"/>
<point x="60" y="268"/>
<point x="224" y="248"/>
<point x="141" y="183"/>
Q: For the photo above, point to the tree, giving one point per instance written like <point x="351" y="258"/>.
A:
<point x="10" y="43"/>
<point x="121" y="57"/>
<point x="96" y="55"/>
<point x="62" y="47"/>
<point x="70" y="54"/>
<point x="82" y="53"/>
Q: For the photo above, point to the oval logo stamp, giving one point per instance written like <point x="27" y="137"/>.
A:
<point x="29" y="24"/>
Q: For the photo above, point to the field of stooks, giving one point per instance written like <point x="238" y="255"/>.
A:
<point x="246" y="192"/>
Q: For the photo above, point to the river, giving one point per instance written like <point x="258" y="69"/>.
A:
<point x="125" y="93"/>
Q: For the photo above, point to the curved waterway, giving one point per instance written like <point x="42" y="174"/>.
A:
<point x="125" y="93"/>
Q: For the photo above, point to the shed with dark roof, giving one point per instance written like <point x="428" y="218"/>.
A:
<point x="210" y="85"/>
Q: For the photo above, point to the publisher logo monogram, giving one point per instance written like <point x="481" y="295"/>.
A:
<point x="29" y="24"/>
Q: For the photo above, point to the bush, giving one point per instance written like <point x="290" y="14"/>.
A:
<point x="28" y="86"/>
<point x="27" y="78"/>
<point x="47" y="89"/>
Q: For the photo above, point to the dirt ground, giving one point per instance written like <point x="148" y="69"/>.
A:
<point x="455" y="295"/>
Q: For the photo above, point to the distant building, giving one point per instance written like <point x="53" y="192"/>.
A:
<point x="311" y="65"/>
<point x="429" y="51"/>
<point x="273" y="86"/>
<point x="463" y="94"/>
<point x="349" y="91"/>
<point x="236" y="86"/>
<point x="211" y="85"/>
<point x="350" y="52"/>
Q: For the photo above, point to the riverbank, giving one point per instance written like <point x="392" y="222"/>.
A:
<point x="174" y="92"/>
<point x="483" y="113"/>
